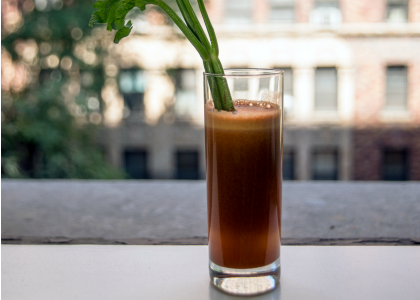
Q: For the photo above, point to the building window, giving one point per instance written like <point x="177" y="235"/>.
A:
<point x="240" y="88"/>
<point x="326" y="89"/>
<point x="238" y="11"/>
<point x="187" y="164"/>
<point x="327" y="3"/>
<point x="133" y="85"/>
<point x="397" y="11"/>
<point x="325" y="164"/>
<point x="394" y="164"/>
<point x="135" y="163"/>
<point x="186" y="94"/>
<point x="288" y="164"/>
<point x="326" y="12"/>
<point x="396" y="87"/>
<point x="282" y="11"/>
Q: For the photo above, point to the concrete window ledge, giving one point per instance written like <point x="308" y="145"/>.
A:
<point x="174" y="212"/>
<point x="395" y="115"/>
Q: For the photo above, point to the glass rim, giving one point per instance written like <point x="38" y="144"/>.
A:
<point x="258" y="72"/>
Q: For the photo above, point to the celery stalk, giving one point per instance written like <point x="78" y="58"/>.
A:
<point x="113" y="13"/>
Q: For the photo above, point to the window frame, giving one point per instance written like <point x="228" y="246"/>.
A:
<point x="406" y="164"/>
<point x="129" y="102"/>
<point x="326" y="3"/>
<point x="335" y="174"/>
<point x="317" y="105"/>
<point x="291" y="152"/>
<point x="229" y="20"/>
<point x="326" y="12"/>
<point x="177" y="79"/>
<point x="286" y="5"/>
<point x="133" y="150"/>
<point x="390" y="106"/>
<point x="392" y="4"/>
<point x="179" y="173"/>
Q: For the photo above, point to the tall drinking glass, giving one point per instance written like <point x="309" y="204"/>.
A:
<point x="244" y="181"/>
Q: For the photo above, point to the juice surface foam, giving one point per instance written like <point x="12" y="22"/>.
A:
<point x="249" y="115"/>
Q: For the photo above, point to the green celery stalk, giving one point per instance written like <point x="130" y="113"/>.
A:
<point x="113" y="13"/>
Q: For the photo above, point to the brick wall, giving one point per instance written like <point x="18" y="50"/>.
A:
<point x="414" y="11"/>
<point x="414" y="90"/>
<point x="215" y="10"/>
<point x="370" y="86"/>
<point x="372" y="56"/>
<point x="261" y="10"/>
<point x="374" y="10"/>
<point x="369" y="55"/>
<point x="353" y="11"/>
<point x="303" y="10"/>
<point x="362" y="11"/>
<point x="368" y="145"/>
<point x="371" y="91"/>
<point x="372" y="132"/>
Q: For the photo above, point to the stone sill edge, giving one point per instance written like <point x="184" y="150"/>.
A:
<point x="203" y="241"/>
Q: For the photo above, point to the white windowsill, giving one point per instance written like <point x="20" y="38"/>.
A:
<point x="395" y="115"/>
<point x="329" y="116"/>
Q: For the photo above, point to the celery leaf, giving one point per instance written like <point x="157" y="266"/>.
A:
<point x="113" y="13"/>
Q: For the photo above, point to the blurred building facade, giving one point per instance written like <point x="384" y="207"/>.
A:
<point x="352" y="88"/>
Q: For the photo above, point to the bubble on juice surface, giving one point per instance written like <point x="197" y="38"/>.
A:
<point x="257" y="104"/>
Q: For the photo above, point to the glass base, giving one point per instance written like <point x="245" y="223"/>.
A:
<point x="245" y="281"/>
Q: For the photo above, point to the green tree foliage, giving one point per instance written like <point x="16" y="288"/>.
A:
<point x="47" y="128"/>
